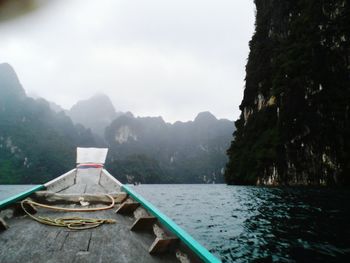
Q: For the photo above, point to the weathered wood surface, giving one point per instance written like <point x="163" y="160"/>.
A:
<point x="3" y="224"/>
<point x="161" y="245"/>
<point x="127" y="208"/>
<point x="29" y="241"/>
<point x="143" y="223"/>
<point x="108" y="181"/>
<point x="62" y="182"/>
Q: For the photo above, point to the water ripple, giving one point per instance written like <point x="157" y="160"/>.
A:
<point x="256" y="224"/>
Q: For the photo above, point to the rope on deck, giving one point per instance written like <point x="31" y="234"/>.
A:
<point x="74" y="223"/>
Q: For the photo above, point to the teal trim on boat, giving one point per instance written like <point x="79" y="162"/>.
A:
<point x="201" y="251"/>
<point x="20" y="196"/>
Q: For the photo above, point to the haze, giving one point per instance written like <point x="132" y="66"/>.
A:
<point x="153" y="58"/>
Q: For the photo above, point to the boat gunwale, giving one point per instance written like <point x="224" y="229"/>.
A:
<point x="20" y="196"/>
<point x="108" y="176"/>
<point x="62" y="178"/>
<point x="12" y="199"/>
<point x="186" y="238"/>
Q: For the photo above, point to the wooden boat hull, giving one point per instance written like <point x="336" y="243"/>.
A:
<point x="142" y="232"/>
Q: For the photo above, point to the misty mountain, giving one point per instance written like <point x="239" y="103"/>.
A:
<point x="55" y="107"/>
<point x="183" y="152"/>
<point x="95" y="113"/>
<point x="10" y="87"/>
<point x="38" y="140"/>
<point x="36" y="143"/>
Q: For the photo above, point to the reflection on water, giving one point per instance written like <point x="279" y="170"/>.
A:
<point x="255" y="224"/>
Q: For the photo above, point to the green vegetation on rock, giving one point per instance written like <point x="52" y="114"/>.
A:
<point x="294" y="127"/>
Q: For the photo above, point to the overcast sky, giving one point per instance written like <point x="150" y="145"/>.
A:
<point x="171" y="58"/>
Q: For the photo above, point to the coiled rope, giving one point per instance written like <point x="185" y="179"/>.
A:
<point x="74" y="223"/>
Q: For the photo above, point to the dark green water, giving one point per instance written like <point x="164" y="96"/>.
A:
<point x="255" y="224"/>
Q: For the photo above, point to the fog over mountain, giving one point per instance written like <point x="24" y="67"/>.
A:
<point x="36" y="143"/>
<point x="150" y="150"/>
<point x="38" y="140"/>
<point x="148" y="56"/>
<point x="184" y="152"/>
<point x="95" y="113"/>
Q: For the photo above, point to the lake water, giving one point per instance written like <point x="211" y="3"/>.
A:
<point x="256" y="224"/>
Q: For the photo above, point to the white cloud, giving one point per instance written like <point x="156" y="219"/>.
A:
<point x="168" y="58"/>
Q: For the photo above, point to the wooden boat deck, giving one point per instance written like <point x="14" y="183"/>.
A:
<point x="29" y="241"/>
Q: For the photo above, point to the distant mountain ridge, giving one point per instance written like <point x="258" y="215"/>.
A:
<point x="38" y="140"/>
<point x="183" y="152"/>
<point x="95" y="113"/>
<point x="150" y="150"/>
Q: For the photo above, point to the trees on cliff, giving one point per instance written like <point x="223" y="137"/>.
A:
<point x="294" y="127"/>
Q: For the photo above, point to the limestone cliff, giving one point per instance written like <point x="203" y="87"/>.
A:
<point x="294" y="126"/>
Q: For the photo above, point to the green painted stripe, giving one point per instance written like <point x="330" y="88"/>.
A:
<point x="20" y="196"/>
<point x="201" y="251"/>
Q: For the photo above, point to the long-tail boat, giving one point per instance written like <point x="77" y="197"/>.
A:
<point x="87" y="215"/>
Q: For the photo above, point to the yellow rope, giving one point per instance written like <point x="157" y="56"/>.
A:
<point x="74" y="209"/>
<point x="74" y="223"/>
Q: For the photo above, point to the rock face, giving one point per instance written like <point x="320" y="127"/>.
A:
<point x="95" y="113"/>
<point x="183" y="152"/>
<point x="294" y="126"/>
